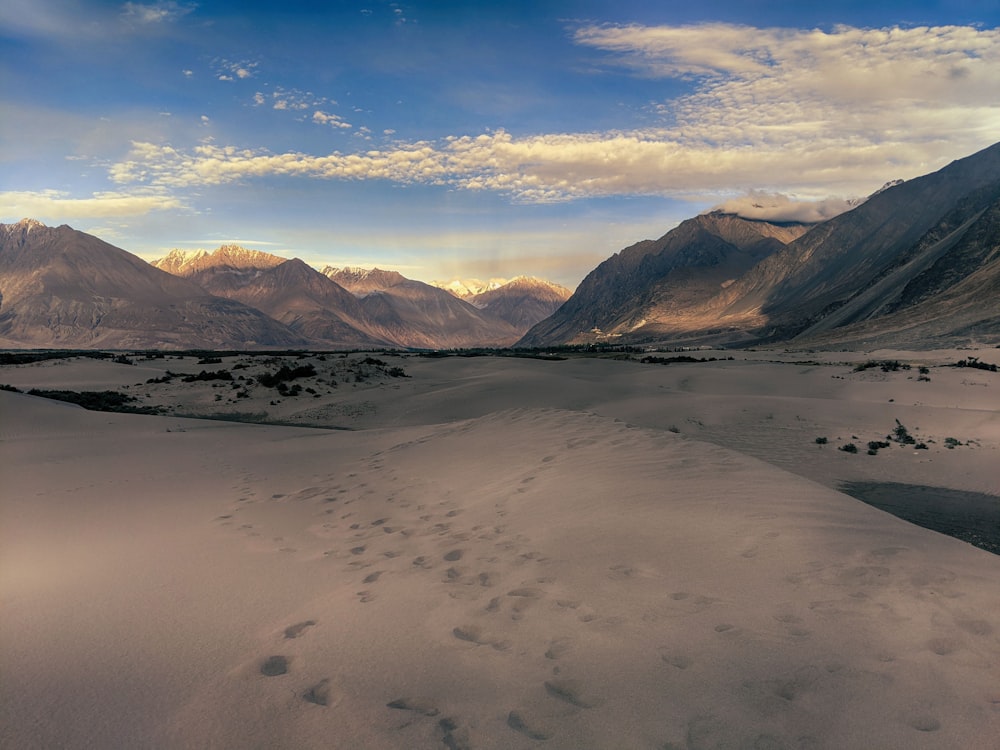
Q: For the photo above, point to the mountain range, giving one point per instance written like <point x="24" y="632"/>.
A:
<point x="60" y="288"/>
<point x="916" y="264"/>
<point x="66" y="289"/>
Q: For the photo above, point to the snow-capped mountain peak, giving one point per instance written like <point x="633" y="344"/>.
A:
<point x="187" y="262"/>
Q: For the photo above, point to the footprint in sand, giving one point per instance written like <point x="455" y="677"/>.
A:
<point x="372" y="577"/>
<point x="453" y="556"/>
<point x="471" y="633"/>
<point x="677" y="660"/>
<point x="453" y="738"/>
<point x="924" y="723"/>
<point x="793" y="687"/>
<point x="319" y="693"/>
<point x="516" y="722"/>
<point x="417" y="705"/>
<point x="942" y="646"/>
<point x="526" y="592"/>
<point x="474" y="634"/>
<point x="524" y="598"/>
<point x="558" y="647"/>
<point x="486" y="580"/>
<point x="274" y="666"/>
<point x="294" y="631"/>
<point x="568" y="691"/>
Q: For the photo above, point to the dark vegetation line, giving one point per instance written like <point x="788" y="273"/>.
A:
<point x="98" y="400"/>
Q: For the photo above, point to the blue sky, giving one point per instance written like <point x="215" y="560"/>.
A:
<point x="468" y="139"/>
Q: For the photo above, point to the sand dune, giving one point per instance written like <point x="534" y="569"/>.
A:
<point x="464" y="574"/>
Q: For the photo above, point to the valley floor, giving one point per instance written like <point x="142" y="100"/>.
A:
<point x="500" y="553"/>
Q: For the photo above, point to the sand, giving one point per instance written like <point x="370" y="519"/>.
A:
<point x="499" y="553"/>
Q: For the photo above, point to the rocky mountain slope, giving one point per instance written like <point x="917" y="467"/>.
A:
<point x="913" y="265"/>
<point x="63" y="288"/>
<point x="945" y="288"/>
<point x="656" y="281"/>
<point x="884" y="241"/>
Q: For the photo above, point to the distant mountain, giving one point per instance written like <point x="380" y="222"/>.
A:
<point x="363" y="281"/>
<point x="522" y="302"/>
<point x="63" y="288"/>
<point x="289" y="291"/>
<point x="189" y="262"/>
<point x="414" y="314"/>
<point x="912" y="265"/>
<point x="468" y="288"/>
<point x="654" y="282"/>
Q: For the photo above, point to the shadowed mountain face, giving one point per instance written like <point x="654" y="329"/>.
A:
<point x="945" y="288"/>
<point x="915" y="264"/>
<point x="61" y="287"/>
<point x="897" y="234"/>
<point x="657" y="282"/>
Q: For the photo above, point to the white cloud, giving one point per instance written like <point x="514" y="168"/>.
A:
<point x="807" y="114"/>
<point x="54" y="204"/>
<point x="777" y="207"/>
<point x="159" y="12"/>
<point x="775" y="87"/>
<point x="229" y="70"/>
<point x="335" y="121"/>
<point x="294" y="99"/>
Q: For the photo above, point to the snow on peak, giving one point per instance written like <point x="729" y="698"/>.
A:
<point x="187" y="262"/>
<point x="465" y="288"/>
<point x="24" y="226"/>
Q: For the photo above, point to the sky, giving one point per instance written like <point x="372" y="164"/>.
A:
<point x="475" y="139"/>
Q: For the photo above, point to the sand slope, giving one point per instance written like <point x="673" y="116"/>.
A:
<point x="527" y="578"/>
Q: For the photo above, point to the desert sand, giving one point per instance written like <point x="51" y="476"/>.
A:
<point x="499" y="553"/>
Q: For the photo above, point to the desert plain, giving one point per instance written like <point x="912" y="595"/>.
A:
<point x="502" y="552"/>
